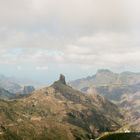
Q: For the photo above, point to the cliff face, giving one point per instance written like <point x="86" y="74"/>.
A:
<point x="123" y="89"/>
<point x="28" y="89"/>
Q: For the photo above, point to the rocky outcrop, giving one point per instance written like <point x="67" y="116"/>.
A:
<point x="62" y="79"/>
<point x="28" y="89"/>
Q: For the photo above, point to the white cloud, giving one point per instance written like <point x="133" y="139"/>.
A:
<point x="41" y="68"/>
<point x="100" y="49"/>
<point x="86" y="32"/>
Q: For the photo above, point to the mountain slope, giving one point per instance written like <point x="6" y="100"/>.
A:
<point x="123" y="89"/>
<point x="11" y="89"/>
<point x="4" y="94"/>
<point x="121" y="136"/>
<point x="9" y="84"/>
<point x="58" y="112"/>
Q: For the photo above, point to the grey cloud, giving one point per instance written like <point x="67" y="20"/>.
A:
<point x="75" y="13"/>
<point x="86" y="32"/>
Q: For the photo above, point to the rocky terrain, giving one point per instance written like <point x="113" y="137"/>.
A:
<point x="122" y="89"/>
<point x="58" y="112"/>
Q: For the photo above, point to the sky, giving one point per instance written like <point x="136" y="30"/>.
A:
<point x="39" y="39"/>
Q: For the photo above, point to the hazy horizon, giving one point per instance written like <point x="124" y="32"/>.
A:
<point x="39" y="81"/>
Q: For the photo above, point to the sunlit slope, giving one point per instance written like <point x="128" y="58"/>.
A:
<point x="121" y="136"/>
<point x="58" y="112"/>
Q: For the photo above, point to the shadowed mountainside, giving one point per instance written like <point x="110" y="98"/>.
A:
<point x="123" y="89"/>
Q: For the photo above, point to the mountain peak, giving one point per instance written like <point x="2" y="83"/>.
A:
<point x="62" y="79"/>
<point x="104" y="71"/>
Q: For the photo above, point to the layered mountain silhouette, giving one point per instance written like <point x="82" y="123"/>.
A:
<point x="5" y="94"/>
<point x="121" y="88"/>
<point x="9" y="84"/>
<point x="105" y="77"/>
<point x="111" y="85"/>
<point x="58" y="112"/>
<point x="10" y="88"/>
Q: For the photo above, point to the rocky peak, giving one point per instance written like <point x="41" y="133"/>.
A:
<point x="28" y="89"/>
<point x="104" y="71"/>
<point x="62" y="79"/>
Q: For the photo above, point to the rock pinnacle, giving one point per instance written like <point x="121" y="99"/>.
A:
<point x="62" y="79"/>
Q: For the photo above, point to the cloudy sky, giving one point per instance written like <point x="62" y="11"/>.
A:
<point x="41" y="38"/>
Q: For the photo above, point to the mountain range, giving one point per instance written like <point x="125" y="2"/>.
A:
<point x="105" y="77"/>
<point x="121" y="88"/>
<point x="83" y="109"/>
<point x="11" y="88"/>
<point x="58" y="112"/>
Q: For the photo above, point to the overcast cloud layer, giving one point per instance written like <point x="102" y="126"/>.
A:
<point x="48" y="37"/>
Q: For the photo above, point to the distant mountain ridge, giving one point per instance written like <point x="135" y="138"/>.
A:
<point x="110" y="85"/>
<point x="11" y="88"/>
<point x="5" y="94"/>
<point x="105" y="77"/>
<point x="9" y="84"/>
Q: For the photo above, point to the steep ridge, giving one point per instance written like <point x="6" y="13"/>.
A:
<point x="122" y="89"/>
<point x="58" y="112"/>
